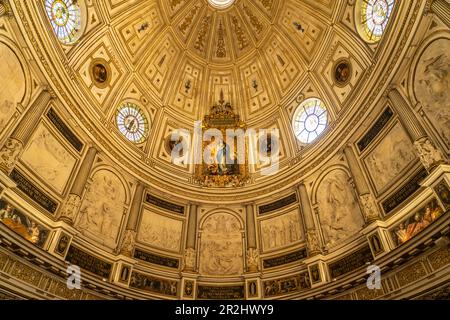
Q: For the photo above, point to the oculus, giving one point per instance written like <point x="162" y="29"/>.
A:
<point x="100" y="73"/>
<point x="310" y="120"/>
<point x="132" y="122"/>
<point x="373" y="17"/>
<point x="66" y="19"/>
<point x="221" y="4"/>
<point x="342" y="72"/>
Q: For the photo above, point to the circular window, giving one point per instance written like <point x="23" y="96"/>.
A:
<point x="221" y="4"/>
<point x="373" y="15"/>
<point x="65" y="17"/>
<point x="132" y="122"/>
<point x="310" y="120"/>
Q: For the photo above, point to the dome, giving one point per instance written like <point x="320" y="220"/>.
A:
<point x="242" y="143"/>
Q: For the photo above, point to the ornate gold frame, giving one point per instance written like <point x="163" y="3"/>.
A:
<point x="222" y="117"/>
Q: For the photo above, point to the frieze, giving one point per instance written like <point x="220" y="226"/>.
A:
<point x="404" y="192"/>
<point x="164" y="204"/>
<point x="351" y="262"/>
<point x="375" y="129"/>
<point x="33" y="192"/>
<point x="152" y="284"/>
<point x="156" y="259"/>
<point x="64" y="129"/>
<point x="221" y="293"/>
<point x="285" y="259"/>
<point x="278" y="204"/>
<point x="88" y="262"/>
<point x="286" y="285"/>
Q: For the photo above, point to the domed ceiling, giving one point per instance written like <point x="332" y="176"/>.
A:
<point x="175" y="59"/>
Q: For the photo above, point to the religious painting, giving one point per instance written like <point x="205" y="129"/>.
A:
<point x="13" y="90"/>
<point x="393" y="154"/>
<point x="223" y="163"/>
<point x="342" y="72"/>
<point x="21" y="224"/>
<point x="221" y="247"/>
<point x="49" y="159"/>
<point x="432" y="86"/>
<point x="102" y="210"/>
<point x="417" y="222"/>
<point x="443" y="192"/>
<point x="160" y="231"/>
<point x="63" y="244"/>
<point x="314" y="272"/>
<point x="281" y="231"/>
<point x="339" y="213"/>
<point x="100" y="73"/>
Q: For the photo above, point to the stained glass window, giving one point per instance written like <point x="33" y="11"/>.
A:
<point x="132" y="122"/>
<point x="310" y="120"/>
<point x="221" y="4"/>
<point x="375" y="16"/>
<point x="65" y="17"/>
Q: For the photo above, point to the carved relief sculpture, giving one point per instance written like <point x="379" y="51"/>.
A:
<point x="70" y="209"/>
<point x="9" y="155"/>
<point x="392" y="155"/>
<point x="369" y="207"/>
<point x="221" y="247"/>
<point x="102" y="209"/>
<point x="252" y="260"/>
<point x="189" y="259"/>
<point x="160" y="231"/>
<point x="49" y="158"/>
<point x="429" y="154"/>
<point x="281" y="231"/>
<point x="340" y="215"/>
<point x="11" y="91"/>
<point x="128" y="242"/>
<point x="432" y="86"/>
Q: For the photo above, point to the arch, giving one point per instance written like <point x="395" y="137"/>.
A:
<point x="16" y="91"/>
<point x="320" y="178"/>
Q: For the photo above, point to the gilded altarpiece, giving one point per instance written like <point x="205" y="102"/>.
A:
<point x="223" y="164"/>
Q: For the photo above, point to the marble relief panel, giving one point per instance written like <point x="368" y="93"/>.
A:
<point x="281" y="231"/>
<point x="160" y="231"/>
<point x="221" y="247"/>
<point x="49" y="158"/>
<point x="390" y="157"/>
<point x="432" y="85"/>
<point x="11" y="91"/>
<point x="339" y="212"/>
<point x="103" y="208"/>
